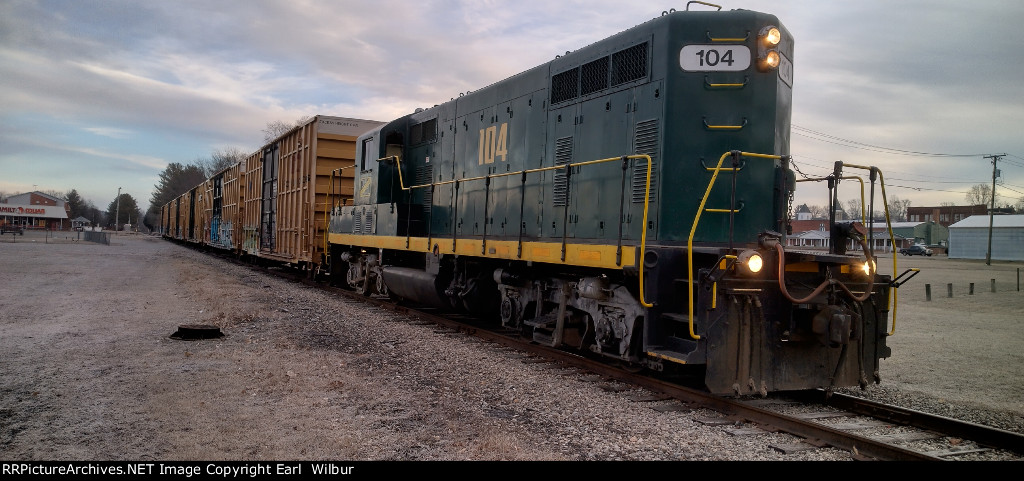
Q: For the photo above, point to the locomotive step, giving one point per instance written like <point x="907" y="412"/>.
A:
<point x="677" y="317"/>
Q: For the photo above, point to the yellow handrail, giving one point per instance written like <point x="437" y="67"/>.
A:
<point x="330" y="195"/>
<point x="894" y="291"/>
<point x="725" y="127"/>
<point x="693" y="229"/>
<point x="647" y="195"/>
<point x="733" y="85"/>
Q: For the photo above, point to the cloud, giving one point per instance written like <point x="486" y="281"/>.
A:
<point x="113" y="133"/>
<point x="173" y="81"/>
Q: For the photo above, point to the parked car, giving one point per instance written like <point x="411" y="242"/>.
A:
<point x="916" y="250"/>
<point x="12" y="228"/>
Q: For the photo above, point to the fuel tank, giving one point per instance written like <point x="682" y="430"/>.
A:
<point x="415" y="285"/>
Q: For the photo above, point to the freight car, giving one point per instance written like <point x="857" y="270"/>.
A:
<point x="272" y="207"/>
<point x="629" y="199"/>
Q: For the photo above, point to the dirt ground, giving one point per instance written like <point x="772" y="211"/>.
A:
<point x="962" y="347"/>
<point x="89" y="372"/>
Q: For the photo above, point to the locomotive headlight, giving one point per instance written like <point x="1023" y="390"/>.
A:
<point x="768" y="42"/>
<point x="751" y="261"/>
<point x="772" y="36"/>
<point x="868" y="267"/>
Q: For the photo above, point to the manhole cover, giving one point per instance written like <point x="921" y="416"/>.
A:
<point x="192" y="332"/>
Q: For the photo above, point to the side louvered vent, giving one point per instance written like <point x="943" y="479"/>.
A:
<point x="626" y="65"/>
<point x="368" y="223"/>
<point x="645" y="141"/>
<point x="563" y="155"/>
<point x="594" y="76"/>
<point x="424" y="175"/>
<point x="565" y="86"/>
<point x="629" y="64"/>
<point x="357" y="222"/>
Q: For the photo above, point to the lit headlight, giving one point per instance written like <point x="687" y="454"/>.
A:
<point x="868" y="267"/>
<point x="769" y="40"/>
<point x="751" y="261"/>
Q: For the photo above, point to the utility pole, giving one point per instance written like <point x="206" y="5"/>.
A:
<point x="992" y="209"/>
<point x="117" y="211"/>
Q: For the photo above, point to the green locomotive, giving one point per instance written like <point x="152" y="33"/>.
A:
<point x="630" y="199"/>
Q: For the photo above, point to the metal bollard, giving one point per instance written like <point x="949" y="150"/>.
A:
<point x="928" y="292"/>
<point x="949" y="288"/>
<point x="993" y="285"/>
<point x="972" y="288"/>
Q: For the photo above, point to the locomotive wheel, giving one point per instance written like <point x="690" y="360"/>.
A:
<point x="364" y="289"/>
<point x="382" y="288"/>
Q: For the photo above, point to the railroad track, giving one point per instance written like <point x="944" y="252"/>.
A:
<point x="866" y="429"/>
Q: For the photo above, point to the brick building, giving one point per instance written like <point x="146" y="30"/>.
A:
<point x="945" y="215"/>
<point x="35" y="210"/>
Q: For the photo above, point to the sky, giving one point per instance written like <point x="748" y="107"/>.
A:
<point x="97" y="95"/>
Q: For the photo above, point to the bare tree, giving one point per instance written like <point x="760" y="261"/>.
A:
<point x="278" y="128"/>
<point x="854" y="211"/>
<point x="818" y="212"/>
<point x="898" y="208"/>
<point x="274" y="130"/>
<point x="979" y="194"/>
<point x="220" y="159"/>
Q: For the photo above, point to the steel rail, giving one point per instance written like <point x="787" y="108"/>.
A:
<point x="985" y="435"/>
<point x="815" y="434"/>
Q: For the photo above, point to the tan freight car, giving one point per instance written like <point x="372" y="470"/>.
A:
<point x="165" y="221"/>
<point x="287" y="189"/>
<point x="200" y="233"/>
<point x="222" y="195"/>
<point x="183" y="207"/>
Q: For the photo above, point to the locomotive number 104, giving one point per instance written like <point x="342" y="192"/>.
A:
<point x="493" y="144"/>
<point x="709" y="58"/>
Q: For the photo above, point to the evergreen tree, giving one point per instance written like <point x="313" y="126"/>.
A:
<point x="76" y="204"/>
<point x="176" y="179"/>
<point x="126" y="212"/>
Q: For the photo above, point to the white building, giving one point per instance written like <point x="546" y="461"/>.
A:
<point x="968" y="239"/>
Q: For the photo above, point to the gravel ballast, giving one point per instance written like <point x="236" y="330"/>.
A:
<point x="90" y="371"/>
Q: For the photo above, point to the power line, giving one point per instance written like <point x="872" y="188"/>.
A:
<point x="1011" y="190"/>
<point x="1015" y="160"/>
<point x="936" y="181"/>
<point x="796" y="167"/>
<point x="828" y="166"/>
<point x="820" y="136"/>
